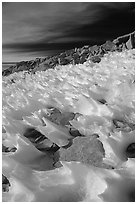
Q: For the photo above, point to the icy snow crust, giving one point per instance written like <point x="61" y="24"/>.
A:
<point x="78" y="89"/>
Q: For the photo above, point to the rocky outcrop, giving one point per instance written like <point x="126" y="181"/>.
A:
<point x="74" y="56"/>
<point x="126" y="41"/>
<point x="24" y="65"/>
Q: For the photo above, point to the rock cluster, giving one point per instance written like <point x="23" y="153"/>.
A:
<point x="74" y="56"/>
<point x="41" y="142"/>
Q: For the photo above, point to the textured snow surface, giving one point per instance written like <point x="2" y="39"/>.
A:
<point x="92" y="98"/>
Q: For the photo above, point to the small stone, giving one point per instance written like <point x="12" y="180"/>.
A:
<point x="5" y="184"/>
<point x="74" y="132"/>
<point x="8" y="149"/>
<point x="96" y="59"/>
<point x="130" y="151"/>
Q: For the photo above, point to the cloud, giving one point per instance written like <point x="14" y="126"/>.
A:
<point x="39" y="27"/>
<point x="31" y="20"/>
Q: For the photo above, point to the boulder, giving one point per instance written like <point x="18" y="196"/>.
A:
<point x="87" y="150"/>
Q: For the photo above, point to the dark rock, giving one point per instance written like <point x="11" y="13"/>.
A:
<point x="54" y="115"/>
<point x="33" y="135"/>
<point x="74" y="132"/>
<point x="74" y="56"/>
<point x="62" y="55"/>
<point x="8" y="71"/>
<point x="94" y="50"/>
<point x="64" y="61"/>
<point x="85" y="50"/>
<point x="8" y="149"/>
<point x="66" y="117"/>
<point x="130" y="151"/>
<point x="95" y="59"/>
<point x="5" y="184"/>
<point x="103" y="101"/>
<point x="43" y="146"/>
<point x="41" y="142"/>
<point x="58" y="117"/>
<point x="83" y="58"/>
<point x="122" y="125"/>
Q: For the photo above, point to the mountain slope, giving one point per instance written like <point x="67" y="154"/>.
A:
<point x="74" y="56"/>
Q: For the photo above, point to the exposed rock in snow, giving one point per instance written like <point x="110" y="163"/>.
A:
<point x="74" y="56"/>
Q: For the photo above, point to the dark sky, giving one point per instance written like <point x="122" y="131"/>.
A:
<point x="38" y="29"/>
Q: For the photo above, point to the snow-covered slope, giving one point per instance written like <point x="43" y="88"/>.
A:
<point x="51" y="121"/>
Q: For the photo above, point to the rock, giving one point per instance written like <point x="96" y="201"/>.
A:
<point x="95" y="59"/>
<point x="8" y="149"/>
<point x="8" y="71"/>
<point x="74" y="56"/>
<point x="54" y="115"/>
<point x="83" y="57"/>
<point x="43" y="67"/>
<point x="130" y="151"/>
<point x="126" y="41"/>
<point x="59" y="118"/>
<point x="109" y="46"/>
<point x="122" y="125"/>
<point x="94" y="50"/>
<point x="47" y="146"/>
<point x="87" y="150"/>
<point x="5" y="184"/>
<point x="74" y="132"/>
<point x="62" y="55"/>
<point x="62" y="119"/>
<point x="102" y="101"/>
<point x="41" y="142"/>
<point x="64" y="61"/>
